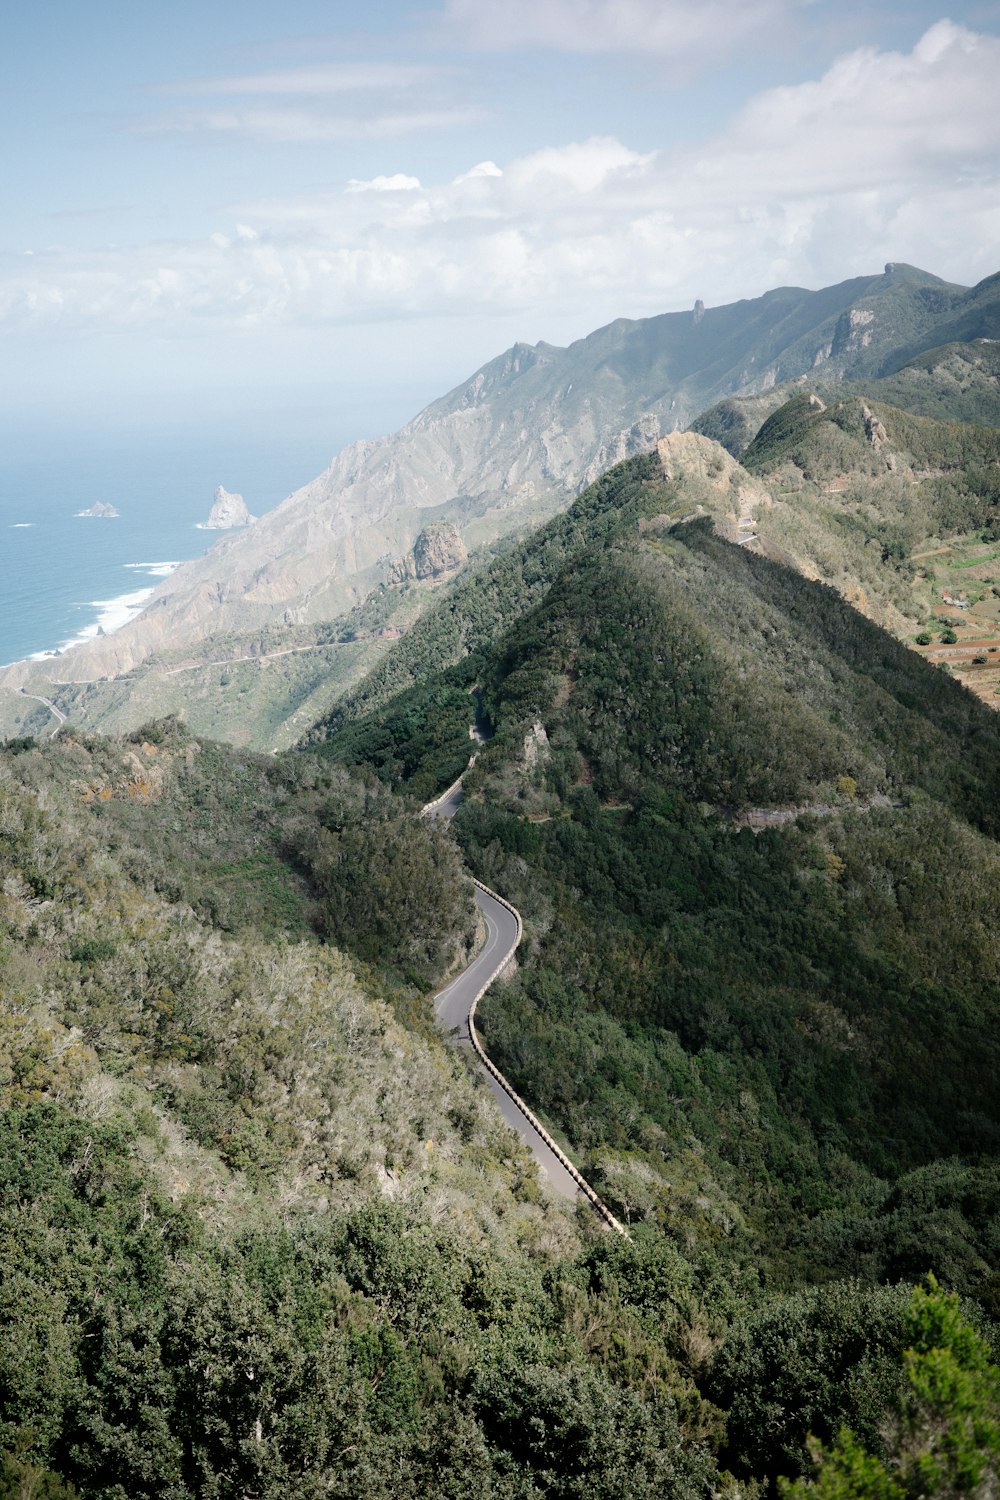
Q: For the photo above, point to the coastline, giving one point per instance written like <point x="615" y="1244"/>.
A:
<point x="112" y="614"/>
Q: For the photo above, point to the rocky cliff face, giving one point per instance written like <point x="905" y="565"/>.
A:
<point x="517" y="442"/>
<point x="228" y="511"/>
<point x="437" y="553"/>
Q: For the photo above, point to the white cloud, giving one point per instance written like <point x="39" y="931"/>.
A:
<point x="397" y="183"/>
<point x="887" y="156"/>
<point x="577" y="169"/>
<point x="481" y="169"/>
<point x="674" y="28"/>
<point x="872" y="119"/>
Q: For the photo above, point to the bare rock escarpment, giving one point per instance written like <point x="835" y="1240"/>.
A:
<point x="437" y="551"/>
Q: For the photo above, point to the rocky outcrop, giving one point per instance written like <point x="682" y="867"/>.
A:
<point x="438" y="549"/>
<point x="708" y="481"/>
<point x="878" y="437"/>
<point x="536" y="746"/>
<point x="853" y="331"/>
<point x="228" y="511"/>
<point x="874" y="429"/>
<point x="100" y="508"/>
<point x="641" y="437"/>
<point x="437" y="552"/>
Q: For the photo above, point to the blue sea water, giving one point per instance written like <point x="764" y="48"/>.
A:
<point x="61" y="573"/>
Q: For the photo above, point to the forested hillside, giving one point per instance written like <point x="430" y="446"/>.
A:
<point x="953" y="383"/>
<point x="262" y="1231"/>
<point x="900" y="513"/>
<point x="754" y="840"/>
<point x="898" y="508"/>
<point x="659" y="718"/>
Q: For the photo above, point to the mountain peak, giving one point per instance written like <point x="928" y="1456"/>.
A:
<point x="899" y="271"/>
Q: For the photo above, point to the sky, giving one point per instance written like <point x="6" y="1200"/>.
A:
<point x="317" y="216"/>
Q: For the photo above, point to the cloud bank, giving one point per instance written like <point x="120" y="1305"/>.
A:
<point x="872" y="161"/>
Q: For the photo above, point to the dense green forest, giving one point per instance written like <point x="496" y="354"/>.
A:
<point x="665" y="693"/>
<point x="754" y="842"/>
<point x="264" y="1234"/>
<point x="474" y="612"/>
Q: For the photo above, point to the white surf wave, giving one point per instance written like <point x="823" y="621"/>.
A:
<point x="112" y="615"/>
<point x="154" y="569"/>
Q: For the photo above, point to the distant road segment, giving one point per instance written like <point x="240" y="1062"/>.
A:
<point x="60" y="717"/>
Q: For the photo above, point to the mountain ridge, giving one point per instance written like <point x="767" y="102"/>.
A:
<point x="502" y="451"/>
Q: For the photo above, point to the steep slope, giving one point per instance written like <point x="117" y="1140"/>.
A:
<point x="728" y="805"/>
<point x="854" y="494"/>
<point x="261" y="1236"/>
<point x="515" y="443"/>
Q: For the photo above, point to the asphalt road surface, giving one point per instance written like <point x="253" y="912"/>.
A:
<point x="449" y="804"/>
<point x="452" y="1006"/>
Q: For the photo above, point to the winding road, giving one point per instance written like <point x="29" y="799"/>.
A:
<point x="453" y="1007"/>
<point x="455" y="1010"/>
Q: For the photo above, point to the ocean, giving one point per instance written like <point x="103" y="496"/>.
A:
<point x="62" y="574"/>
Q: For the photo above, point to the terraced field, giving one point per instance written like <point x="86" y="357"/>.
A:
<point x="958" y="586"/>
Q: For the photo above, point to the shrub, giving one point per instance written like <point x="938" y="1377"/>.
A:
<point x="92" y="950"/>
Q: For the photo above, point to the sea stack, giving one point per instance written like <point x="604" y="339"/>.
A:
<point x="227" y="512"/>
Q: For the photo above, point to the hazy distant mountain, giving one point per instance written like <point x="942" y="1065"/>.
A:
<point x="955" y="382"/>
<point x="516" y="443"/>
